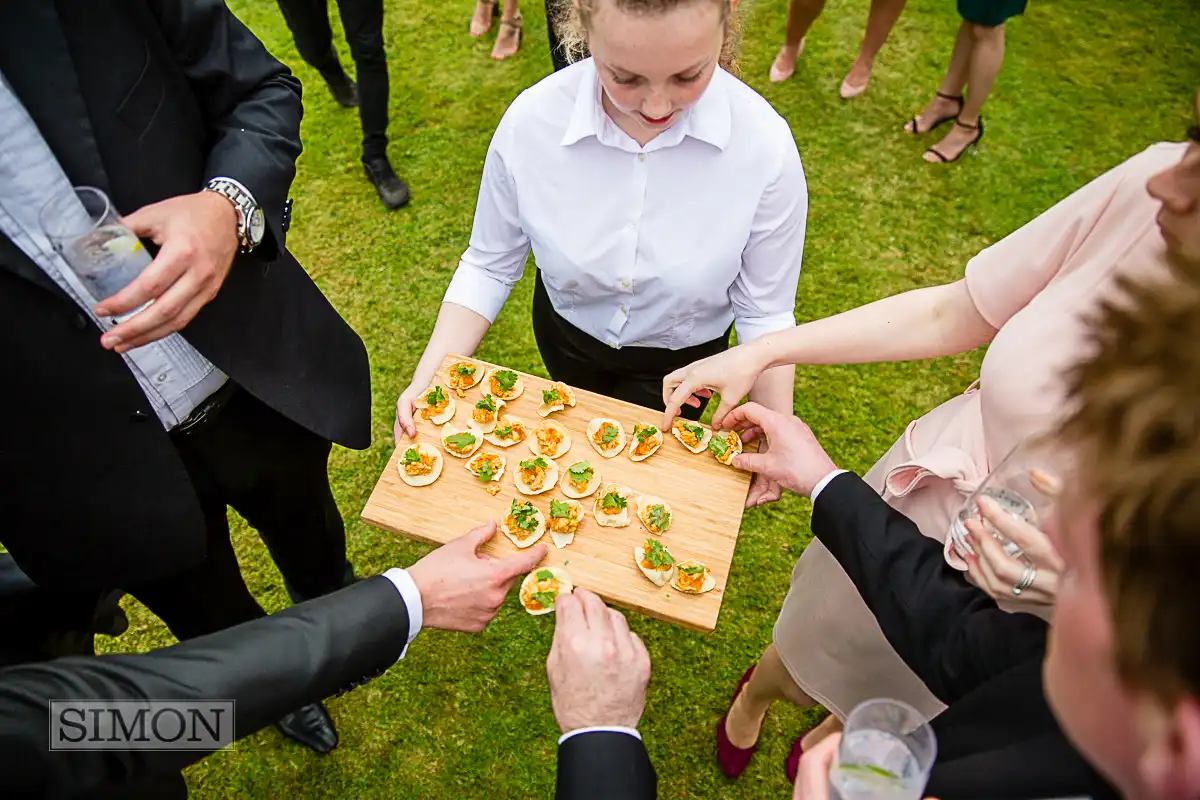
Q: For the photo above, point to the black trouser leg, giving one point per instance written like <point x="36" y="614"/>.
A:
<point x="557" y="56"/>
<point x="40" y="624"/>
<point x="309" y="22"/>
<point x="210" y="596"/>
<point x="273" y="472"/>
<point x="363" y="22"/>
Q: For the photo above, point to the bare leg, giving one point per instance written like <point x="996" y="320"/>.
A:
<point x="829" y="726"/>
<point x="481" y="22"/>
<point x="880" y="22"/>
<point x="508" y="39"/>
<point x="801" y="15"/>
<point x="952" y="85"/>
<point x="987" y="56"/>
<point x="770" y="682"/>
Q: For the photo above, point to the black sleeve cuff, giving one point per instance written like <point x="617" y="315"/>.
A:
<point x="603" y="764"/>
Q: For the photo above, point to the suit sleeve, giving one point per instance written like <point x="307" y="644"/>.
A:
<point x="269" y="667"/>
<point x="250" y="101"/>
<point x="950" y="633"/>
<point x="603" y="765"/>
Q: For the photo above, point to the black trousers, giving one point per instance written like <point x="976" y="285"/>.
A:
<point x="633" y="374"/>
<point x="272" y="472"/>
<point x="556" y="52"/>
<point x="363" y="23"/>
<point x="38" y="624"/>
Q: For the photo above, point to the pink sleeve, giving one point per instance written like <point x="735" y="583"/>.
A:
<point x="1006" y="276"/>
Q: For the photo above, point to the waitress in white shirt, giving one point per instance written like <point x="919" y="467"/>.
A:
<point x="664" y="201"/>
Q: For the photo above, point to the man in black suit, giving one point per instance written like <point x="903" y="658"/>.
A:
<point x="598" y="671"/>
<point x="997" y="738"/>
<point x="124" y="443"/>
<point x="268" y="667"/>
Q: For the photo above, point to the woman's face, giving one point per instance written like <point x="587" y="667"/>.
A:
<point x="655" y="66"/>
<point x="1178" y="189"/>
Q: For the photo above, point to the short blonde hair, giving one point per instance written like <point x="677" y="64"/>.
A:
<point x="1135" y="428"/>
<point x="571" y="18"/>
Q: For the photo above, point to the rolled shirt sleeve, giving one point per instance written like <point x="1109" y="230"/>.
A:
<point x="499" y="247"/>
<point x="1005" y="277"/>
<point x="763" y="295"/>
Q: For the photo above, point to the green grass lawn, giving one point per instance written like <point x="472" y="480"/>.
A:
<point x="1087" y="83"/>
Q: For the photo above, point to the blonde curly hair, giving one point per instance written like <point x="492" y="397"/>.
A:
<point x="571" y="19"/>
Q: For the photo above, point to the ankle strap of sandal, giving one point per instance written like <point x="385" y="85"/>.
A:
<point x="944" y="96"/>
<point x="962" y="124"/>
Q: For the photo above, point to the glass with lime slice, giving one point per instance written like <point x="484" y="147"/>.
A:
<point x="886" y="753"/>
<point x="85" y="229"/>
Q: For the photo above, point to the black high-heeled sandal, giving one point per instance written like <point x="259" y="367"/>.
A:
<point x="940" y="121"/>
<point x="973" y="144"/>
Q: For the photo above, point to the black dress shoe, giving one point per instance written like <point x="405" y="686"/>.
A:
<point x="344" y="90"/>
<point x="392" y="191"/>
<point x="311" y="726"/>
<point x="110" y="618"/>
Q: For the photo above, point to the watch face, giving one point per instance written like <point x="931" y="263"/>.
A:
<point x="258" y="225"/>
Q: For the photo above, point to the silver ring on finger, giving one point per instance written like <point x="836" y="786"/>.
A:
<point x="1027" y="579"/>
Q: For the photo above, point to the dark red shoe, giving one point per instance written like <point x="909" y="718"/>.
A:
<point x="734" y="759"/>
<point x="792" y="765"/>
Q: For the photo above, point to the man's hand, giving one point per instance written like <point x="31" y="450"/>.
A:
<point x="794" y="458"/>
<point x="812" y="781"/>
<point x="198" y="238"/>
<point x="763" y="489"/>
<point x="598" y="668"/>
<point x="462" y="588"/>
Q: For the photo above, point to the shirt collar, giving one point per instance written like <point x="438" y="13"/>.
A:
<point x="710" y="120"/>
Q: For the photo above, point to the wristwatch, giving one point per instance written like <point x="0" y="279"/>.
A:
<point x="251" y="222"/>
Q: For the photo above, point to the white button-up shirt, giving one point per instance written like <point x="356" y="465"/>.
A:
<point x="656" y="246"/>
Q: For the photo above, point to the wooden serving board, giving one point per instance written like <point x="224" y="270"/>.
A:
<point x="706" y="497"/>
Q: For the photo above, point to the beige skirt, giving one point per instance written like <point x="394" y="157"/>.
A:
<point x="826" y="636"/>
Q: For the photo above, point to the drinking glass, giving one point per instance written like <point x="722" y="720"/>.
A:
<point x="886" y="753"/>
<point x="1025" y="484"/>
<point x="85" y="229"/>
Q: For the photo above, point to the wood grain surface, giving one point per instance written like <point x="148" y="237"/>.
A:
<point x="706" y="500"/>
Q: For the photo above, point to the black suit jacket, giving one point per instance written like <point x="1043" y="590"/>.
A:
<point x="603" y="765"/>
<point x="148" y="99"/>
<point x="269" y="667"/>
<point x="997" y="738"/>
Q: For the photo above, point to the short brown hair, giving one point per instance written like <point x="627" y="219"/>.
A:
<point x="1135" y="427"/>
<point x="572" y="16"/>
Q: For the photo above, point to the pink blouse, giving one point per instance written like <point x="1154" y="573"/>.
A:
<point x="1035" y="287"/>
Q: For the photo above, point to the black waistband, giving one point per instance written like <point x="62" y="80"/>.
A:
<point x="649" y="360"/>
<point x="207" y="411"/>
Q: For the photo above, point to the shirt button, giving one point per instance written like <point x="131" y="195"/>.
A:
<point x="624" y="309"/>
<point x="641" y="156"/>
<point x="612" y="342"/>
<point x="627" y="283"/>
<point x="162" y="376"/>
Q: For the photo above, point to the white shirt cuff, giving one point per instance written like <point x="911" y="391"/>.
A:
<point x="478" y="289"/>
<point x="412" y="599"/>
<point x="821" y="484"/>
<point x="751" y="328"/>
<point x="610" y="729"/>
